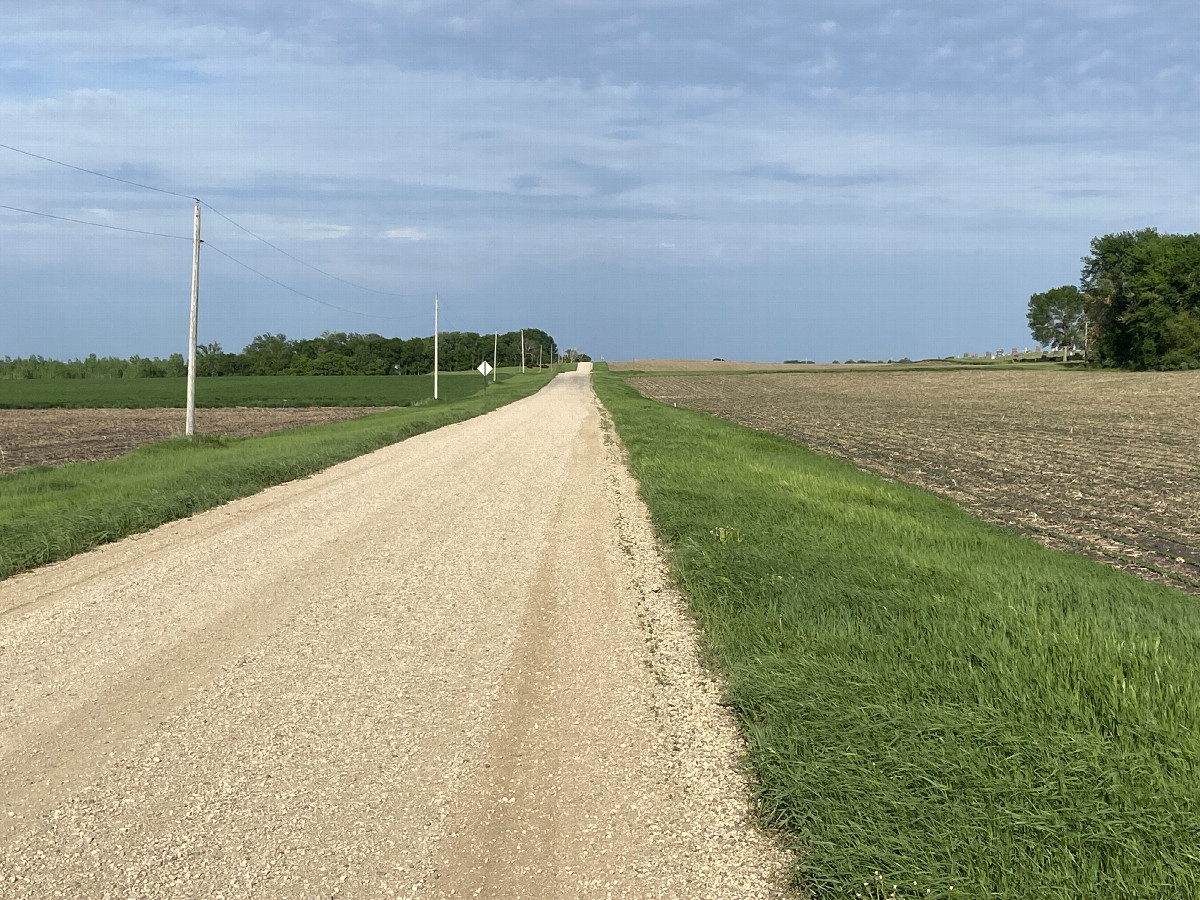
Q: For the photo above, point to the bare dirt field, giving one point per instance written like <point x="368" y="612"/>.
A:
<point x="452" y="668"/>
<point x="1107" y="464"/>
<point x="31" y="437"/>
<point x="701" y="365"/>
<point x="724" y="365"/>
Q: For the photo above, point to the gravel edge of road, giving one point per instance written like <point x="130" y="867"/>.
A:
<point x="696" y="713"/>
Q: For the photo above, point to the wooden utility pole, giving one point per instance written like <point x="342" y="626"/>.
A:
<point x="190" y="421"/>
<point x="495" y="357"/>
<point x="522" y="351"/>
<point x="435" y="347"/>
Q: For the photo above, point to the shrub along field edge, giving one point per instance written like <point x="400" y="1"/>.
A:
<point x="924" y="695"/>
<point x="48" y="514"/>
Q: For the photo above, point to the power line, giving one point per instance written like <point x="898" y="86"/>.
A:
<point x="59" y="162"/>
<point x="33" y="212"/>
<point x="179" y="237"/>
<point x="304" y="295"/>
<point x="258" y="237"/>
<point x="361" y="287"/>
<point x="148" y="187"/>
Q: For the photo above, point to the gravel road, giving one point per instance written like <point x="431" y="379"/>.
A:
<point x="450" y="668"/>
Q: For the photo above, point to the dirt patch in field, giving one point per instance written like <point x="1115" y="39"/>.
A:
<point x="1107" y="464"/>
<point x="58" y="436"/>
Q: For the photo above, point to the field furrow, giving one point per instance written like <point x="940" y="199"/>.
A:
<point x="1103" y="463"/>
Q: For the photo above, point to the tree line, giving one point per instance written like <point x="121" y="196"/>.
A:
<point x="1137" y="304"/>
<point x="333" y="353"/>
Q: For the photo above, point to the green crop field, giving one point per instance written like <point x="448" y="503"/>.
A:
<point x="240" y="390"/>
<point x="926" y="695"/>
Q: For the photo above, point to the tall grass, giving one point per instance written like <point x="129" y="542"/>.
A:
<point x="48" y="514"/>
<point x="924" y="695"/>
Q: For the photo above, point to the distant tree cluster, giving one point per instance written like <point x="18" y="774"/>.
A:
<point x="333" y="353"/>
<point x="94" y="367"/>
<point x="1138" y="301"/>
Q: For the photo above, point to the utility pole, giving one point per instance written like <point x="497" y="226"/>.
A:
<point x="539" y="356"/>
<point x="522" y="351"/>
<point x="495" y="357"/>
<point x="190" y="421"/>
<point x="435" y="347"/>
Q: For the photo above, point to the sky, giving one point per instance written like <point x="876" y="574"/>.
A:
<point x="761" y="180"/>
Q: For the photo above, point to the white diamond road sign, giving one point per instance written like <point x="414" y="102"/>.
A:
<point x="484" y="369"/>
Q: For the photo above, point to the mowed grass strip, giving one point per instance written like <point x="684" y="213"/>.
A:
<point x="237" y="390"/>
<point x="925" y="695"/>
<point x="48" y="514"/>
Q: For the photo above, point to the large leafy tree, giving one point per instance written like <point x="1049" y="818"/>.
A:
<point x="1143" y="290"/>
<point x="1057" y="317"/>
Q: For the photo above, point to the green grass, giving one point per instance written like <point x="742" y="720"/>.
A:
<point x="924" y="695"/>
<point x="240" y="390"/>
<point x="48" y="514"/>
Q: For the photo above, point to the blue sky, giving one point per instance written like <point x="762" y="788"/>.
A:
<point x="686" y="178"/>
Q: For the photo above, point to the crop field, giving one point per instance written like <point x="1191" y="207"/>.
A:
<point x="30" y="437"/>
<point x="695" y="366"/>
<point x="702" y="365"/>
<point x="1106" y="464"/>
<point x="241" y="390"/>
<point x="58" y="421"/>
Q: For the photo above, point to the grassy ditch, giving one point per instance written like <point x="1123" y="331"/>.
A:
<point x="927" y="696"/>
<point x="49" y="514"/>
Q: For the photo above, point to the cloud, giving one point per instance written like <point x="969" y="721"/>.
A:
<point x="405" y="234"/>
<point x="783" y="173"/>
<point x="600" y="180"/>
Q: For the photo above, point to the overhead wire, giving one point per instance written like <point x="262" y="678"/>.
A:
<point x="231" y="221"/>
<point x="300" y="293"/>
<point x="59" y="162"/>
<point x="258" y="237"/>
<point x="34" y="212"/>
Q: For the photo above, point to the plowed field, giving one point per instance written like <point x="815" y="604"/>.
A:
<point x="57" y="436"/>
<point x="1107" y="464"/>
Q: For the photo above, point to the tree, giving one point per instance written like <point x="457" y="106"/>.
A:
<point x="1143" y="291"/>
<point x="267" y="354"/>
<point x="1057" y="317"/>
<point x="175" y="366"/>
<point x="333" y="353"/>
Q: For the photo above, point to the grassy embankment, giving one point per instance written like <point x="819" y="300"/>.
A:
<point x="924" y="695"/>
<point x="238" y="390"/>
<point x="48" y="514"/>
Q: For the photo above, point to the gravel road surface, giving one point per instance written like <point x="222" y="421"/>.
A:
<point x="450" y="668"/>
